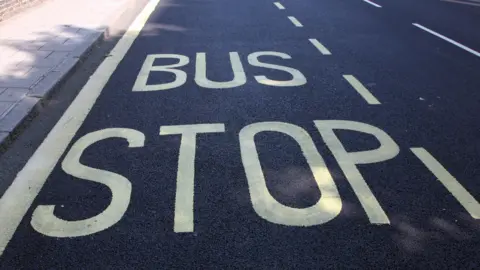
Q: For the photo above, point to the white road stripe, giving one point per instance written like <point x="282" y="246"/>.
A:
<point x="18" y="198"/>
<point x="448" y="39"/>
<point x="458" y="191"/>
<point x="320" y="46"/>
<point x="372" y="3"/>
<point x="361" y="90"/>
<point x="279" y="6"/>
<point x="477" y="4"/>
<point x="295" y="21"/>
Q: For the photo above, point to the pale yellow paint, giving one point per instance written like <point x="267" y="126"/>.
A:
<point x="451" y="184"/>
<point x="184" y="220"/>
<point x="357" y="85"/>
<point x="148" y="67"/>
<point x="278" y="5"/>
<point x="348" y="160"/>
<point x="323" y="50"/>
<point x="297" y="77"/>
<point x="239" y="77"/>
<point x="295" y="21"/>
<point x="18" y="198"/>
<point x="265" y="205"/>
<point x="44" y="220"/>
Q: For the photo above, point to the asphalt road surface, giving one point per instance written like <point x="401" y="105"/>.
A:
<point x="299" y="134"/>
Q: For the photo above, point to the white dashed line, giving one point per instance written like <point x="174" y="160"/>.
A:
<point x="320" y="46"/>
<point x="279" y="6"/>
<point x="372" y="3"/>
<point x="458" y="191"/>
<point x="448" y="39"/>
<point x="361" y="90"/>
<point x="295" y="21"/>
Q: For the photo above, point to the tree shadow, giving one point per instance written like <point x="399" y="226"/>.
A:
<point x="26" y="61"/>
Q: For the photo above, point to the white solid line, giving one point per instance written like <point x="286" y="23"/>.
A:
<point x="448" y="39"/>
<point x="295" y="21"/>
<point x="357" y="85"/>
<point x="279" y="6"/>
<point x="462" y="2"/>
<point x="320" y="46"/>
<point x="372" y="3"/>
<point x="458" y="191"/>
<point x="18" y="198"/>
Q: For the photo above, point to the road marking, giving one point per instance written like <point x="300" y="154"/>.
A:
<point x="448" y="39"/>
<point x="239" y="77"/>
<point x="18" y="198"/>
<point x="357" y="85"/>
<point x="462" y="2"/>
<point x="295" y="21"/>
<point x="265" y="205"/>
<point x="372" y="3"/>
<point x="148" y="67"/>
<point x="348" y="161"/>
<point x="44" y="219"/>
<point x="458" y="191"/>
<point x="297" y="77"/>
<point x="183" y="220"/>
<point x="279" y="6"/>
<point x="320" y="47"/>
<point x="201" y="78"/>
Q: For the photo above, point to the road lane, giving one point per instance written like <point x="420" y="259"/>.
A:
<point x="451" y="19"/>
<point x="430" y="99"/>
<point x="210" y="195"/>
<point x="407" y="62"/>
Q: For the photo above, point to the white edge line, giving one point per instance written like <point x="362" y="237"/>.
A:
<point x="18" y="198"/>
<point x="295" y="21"/>
<point x="447" y="39"/>
<point x="372" y="3"/>
<point x="279" y="5"/>
<point x="320" y="46"/>
<point x="357" y="85"/>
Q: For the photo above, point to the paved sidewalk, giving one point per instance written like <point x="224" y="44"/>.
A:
<point x="41" y="45"/>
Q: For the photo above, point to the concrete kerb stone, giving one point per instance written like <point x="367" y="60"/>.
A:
<point x="3" y="135"/>
<point x="18" y="113"/>
<point x="17" y="119"/>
